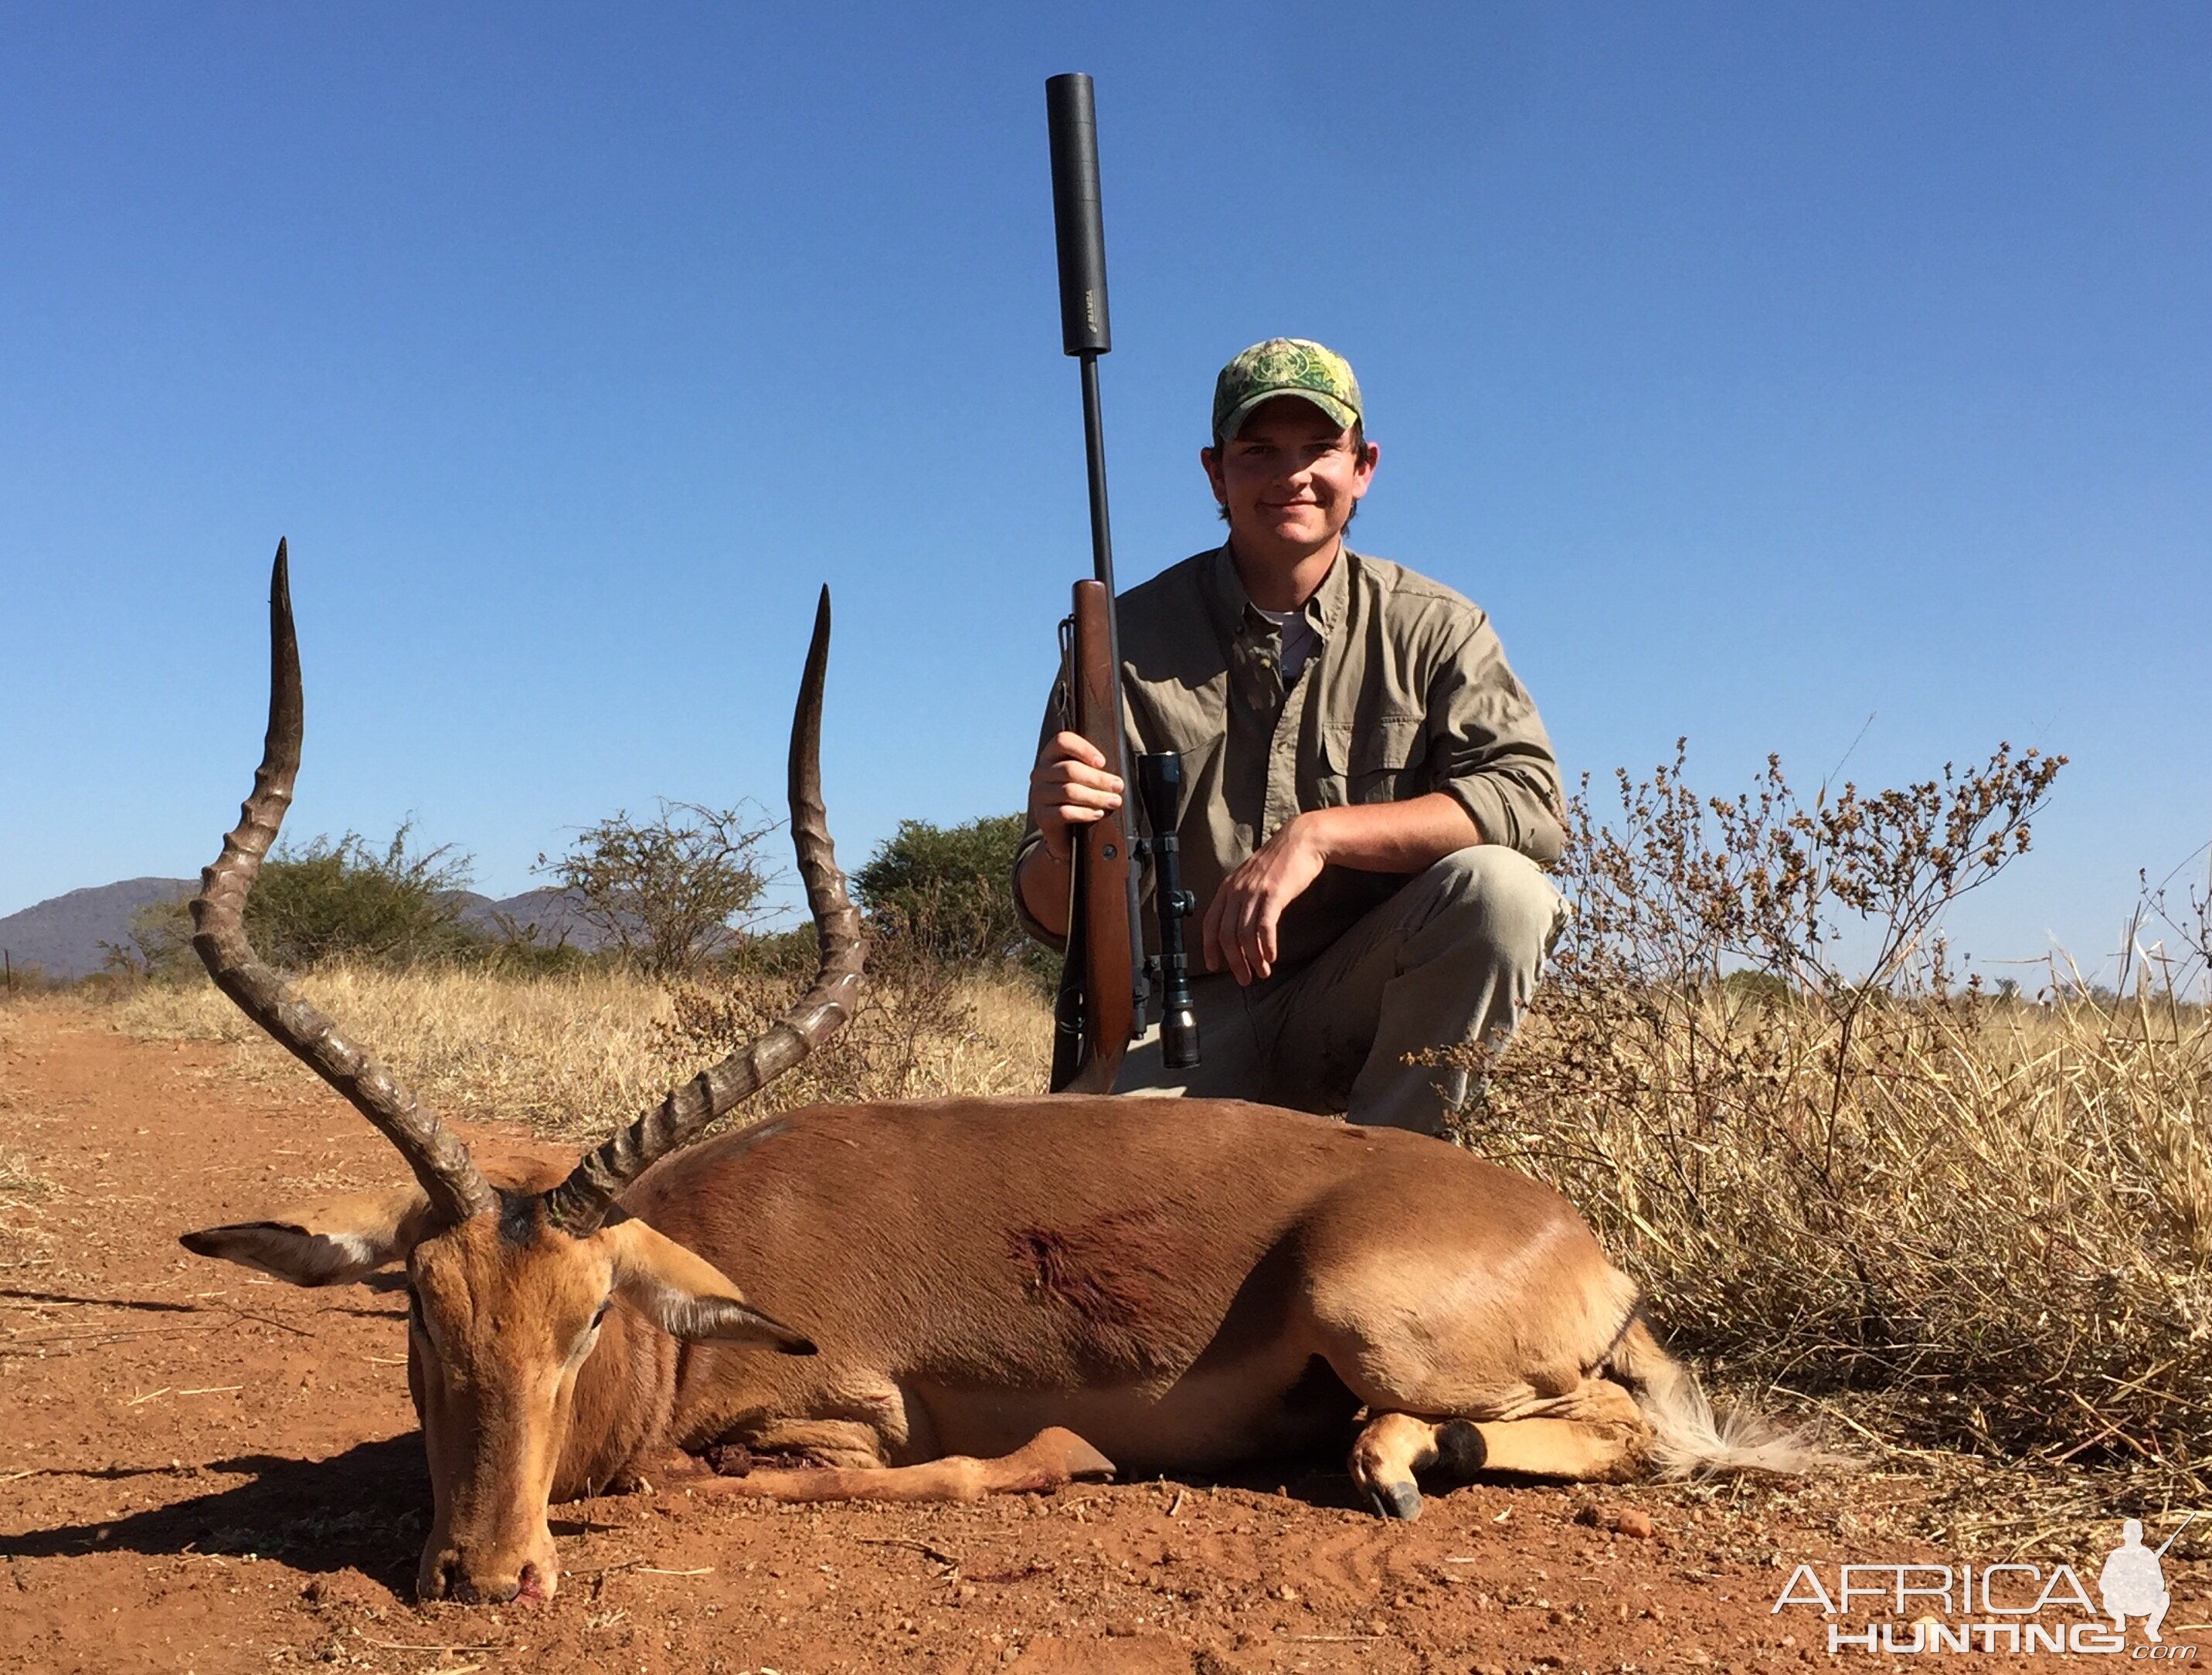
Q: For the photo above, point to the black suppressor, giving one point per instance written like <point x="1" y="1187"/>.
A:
<point x="1159" y="782"/>
<point x="1084" y="327"/>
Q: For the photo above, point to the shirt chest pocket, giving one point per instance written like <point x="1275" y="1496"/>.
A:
<point x="1382" y="761"/>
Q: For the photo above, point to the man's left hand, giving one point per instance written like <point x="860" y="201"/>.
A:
<point x="1241" y="920"/>
<point x="1404" y="837"/>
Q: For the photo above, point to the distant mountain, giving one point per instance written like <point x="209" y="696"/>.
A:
<point x="63" y="937"/>
<point x="543" y="916"/>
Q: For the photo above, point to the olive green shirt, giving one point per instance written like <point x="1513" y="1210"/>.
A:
<point x="1408" y="693"/>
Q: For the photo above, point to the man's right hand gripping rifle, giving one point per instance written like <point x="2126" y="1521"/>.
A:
<point x="1070" y="787"/>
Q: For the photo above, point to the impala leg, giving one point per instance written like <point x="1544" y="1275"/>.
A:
<point x="1575" y="1449"/>
<point x="1600" y="1438"/>
<point x="1394" y="1446"/>
<point x="1053" y="1459"/>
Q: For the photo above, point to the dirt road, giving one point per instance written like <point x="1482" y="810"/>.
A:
<point x="204" y="1470"/>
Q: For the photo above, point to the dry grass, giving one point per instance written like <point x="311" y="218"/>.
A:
<point x="1992" y="1235"/>
<point x="1959" y="1222"/>
<point x="568" y="1053"/>
<point x="18" y="1180"/>
<point x="22" y="1185"/>
<point x="922" y="1031"/>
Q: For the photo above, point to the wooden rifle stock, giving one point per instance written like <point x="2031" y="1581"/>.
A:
<point x="1096" y="1015"/>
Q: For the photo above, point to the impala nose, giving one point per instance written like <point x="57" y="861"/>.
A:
<point x="458" y="1579"/>
<point x="481" y="1589"/>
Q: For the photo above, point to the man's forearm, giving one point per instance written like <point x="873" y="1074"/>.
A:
<point x="1390" y="837"/>
<point x="1043" y="880"/>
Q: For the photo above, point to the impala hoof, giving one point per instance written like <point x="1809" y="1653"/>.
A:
<point x="1068" y="1457"/>
<point x="1401" y="1501"/>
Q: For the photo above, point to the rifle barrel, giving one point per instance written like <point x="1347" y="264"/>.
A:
<point x="1071" y="115"/>
<point x="1093" y="459"/>
<point x="2176" y="1536"/>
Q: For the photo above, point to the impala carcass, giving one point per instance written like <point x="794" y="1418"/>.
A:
<point x="948" y="1298"/>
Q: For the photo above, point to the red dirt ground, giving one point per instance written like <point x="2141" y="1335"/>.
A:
<point x="201" y="1470"/>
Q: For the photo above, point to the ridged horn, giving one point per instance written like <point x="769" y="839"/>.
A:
<point x="440" y="1161"/>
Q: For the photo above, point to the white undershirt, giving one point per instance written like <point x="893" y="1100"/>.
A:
<point x="1300" y="639"/>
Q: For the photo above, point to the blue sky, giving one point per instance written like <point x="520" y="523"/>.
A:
<point x="1762" y="369"/>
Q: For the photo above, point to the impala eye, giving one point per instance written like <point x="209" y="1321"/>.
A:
<point x="589" y="1335"/>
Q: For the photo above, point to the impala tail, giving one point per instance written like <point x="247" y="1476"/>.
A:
<point x="1689" y="1439"/>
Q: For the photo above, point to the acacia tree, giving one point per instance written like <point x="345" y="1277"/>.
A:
<point x="672" y="892"/>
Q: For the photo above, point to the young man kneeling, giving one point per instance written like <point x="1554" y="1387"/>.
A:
<point x="1369" y="795"/>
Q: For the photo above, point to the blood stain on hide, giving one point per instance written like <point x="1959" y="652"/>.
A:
<point x="1114" y="1271"/>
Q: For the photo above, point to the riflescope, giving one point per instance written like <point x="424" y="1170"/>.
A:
<point x="1159" y="783"/>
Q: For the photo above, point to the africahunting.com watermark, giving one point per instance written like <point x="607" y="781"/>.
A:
<point x="1897" y="1610"/>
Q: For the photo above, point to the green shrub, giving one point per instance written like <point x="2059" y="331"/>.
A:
<point x="947" y="891"/>
<point x="344" y="897"/>
<point x="792" y="953"/>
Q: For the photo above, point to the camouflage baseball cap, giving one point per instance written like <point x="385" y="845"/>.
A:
<point x="1284" y="366"/>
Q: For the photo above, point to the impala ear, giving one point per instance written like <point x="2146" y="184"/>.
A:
<point x="323" y="1244"/>
<point x="687" y="1296"/>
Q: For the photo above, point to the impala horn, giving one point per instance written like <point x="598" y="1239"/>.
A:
<point x="440" y="1161"/>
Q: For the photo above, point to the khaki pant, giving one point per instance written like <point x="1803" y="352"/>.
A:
<point x="1450" y="958"/>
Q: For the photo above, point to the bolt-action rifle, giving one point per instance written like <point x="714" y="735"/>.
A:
<point x="1105" y="986"/>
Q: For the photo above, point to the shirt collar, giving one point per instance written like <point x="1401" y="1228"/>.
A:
<point x="1230" y="604"/>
